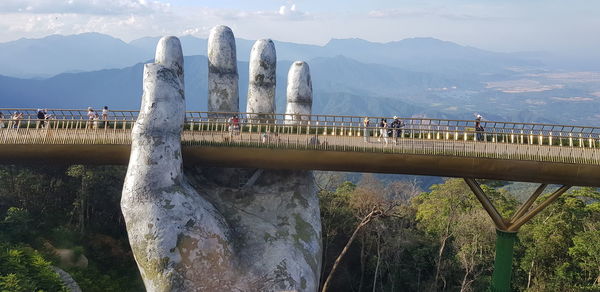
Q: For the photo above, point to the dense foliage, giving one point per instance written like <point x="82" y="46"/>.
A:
<point x="24" y="269"/>
<point x="68" y="217"/>
<point x="381" y="235"/>
<point x="443" y="240"/>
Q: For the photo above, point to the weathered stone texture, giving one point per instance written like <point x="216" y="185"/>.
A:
<point x="275" y="224"/>
<point x="261" y="85"/>
<point x="299" y="92"/>
<point x="170" y="227"/>
<point x="223" y="92"/>
<point x="213" y="229"/>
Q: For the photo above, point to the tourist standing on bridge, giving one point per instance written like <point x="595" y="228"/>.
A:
<point x="383" y="125"/>
<point x="396" y="129"/>
<point x="1" y="120"/>
<point x="236" y="124"/>
<point x="105" y="116"/>
<point x="41" y="117"/>
<point x="17" y="116"/>
<point x="47" y="117"/>
<point x="105" y="113"/>
<point x="366" y="133"/>
<point x="479" y="128"/>
<point x="92" y="117"/>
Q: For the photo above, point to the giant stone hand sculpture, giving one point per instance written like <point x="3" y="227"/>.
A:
<point x="202" y="231"/>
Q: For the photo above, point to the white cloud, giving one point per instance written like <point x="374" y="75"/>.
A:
<point x="494" y="26"/>
<point x="285" y="12"/>
<point x="90" y="7"/>
<point x="137" y="18"/>
<point x="291" y="12"/>
<point x="573" y="99"/>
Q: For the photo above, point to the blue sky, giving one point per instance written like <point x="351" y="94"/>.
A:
<point x="510" y="25"/>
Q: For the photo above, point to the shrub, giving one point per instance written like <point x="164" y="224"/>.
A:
<point x="24" y="269"/>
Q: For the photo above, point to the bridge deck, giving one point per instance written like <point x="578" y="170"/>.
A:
<point x="542" y="153"/>
<point x="298" y="147"/>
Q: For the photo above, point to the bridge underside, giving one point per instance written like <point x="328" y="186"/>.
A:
<point x="416" y="164"/>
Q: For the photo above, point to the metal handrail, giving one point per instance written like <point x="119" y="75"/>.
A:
<point x="357" y="120"/>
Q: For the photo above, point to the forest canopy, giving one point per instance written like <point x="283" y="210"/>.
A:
<point x="381" y="234"/>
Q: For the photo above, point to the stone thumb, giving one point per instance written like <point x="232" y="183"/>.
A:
<point x="156" y="138"/>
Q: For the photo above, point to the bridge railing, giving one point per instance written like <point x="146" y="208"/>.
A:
<point x="323" y="132"/>
<point x="310" y="136"/>
<point x="491" y="127"/>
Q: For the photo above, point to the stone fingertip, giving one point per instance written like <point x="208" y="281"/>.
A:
<point x="262" y="79"/>
<point x="299" y="94"/>
<point x="169" y="53"/>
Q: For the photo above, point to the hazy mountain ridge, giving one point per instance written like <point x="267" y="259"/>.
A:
<point x="421" y="76"/>
<point x="122" y="88"/>
<point x="57" y="54"/>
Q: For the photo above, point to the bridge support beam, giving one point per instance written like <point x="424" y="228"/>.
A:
<point x="506" y="230"/>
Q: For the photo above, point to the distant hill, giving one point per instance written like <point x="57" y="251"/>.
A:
<point x="428" y="55"/>
<point x="58" y="54"/>
<point x="412" y="77"/>
<point x="342" y="86"/>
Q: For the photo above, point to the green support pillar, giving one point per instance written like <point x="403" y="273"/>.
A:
<point x="505" y="242"/>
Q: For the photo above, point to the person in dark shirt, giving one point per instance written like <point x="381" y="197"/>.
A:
<point x="41" y="115"/>
<point x="479" y="128"/>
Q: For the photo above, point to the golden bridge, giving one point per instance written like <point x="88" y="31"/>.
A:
<point x="544" y="153"/>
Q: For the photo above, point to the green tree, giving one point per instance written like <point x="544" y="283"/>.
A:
<point x="586" y="252"/>
<point x="453" y="217"/>
<point x="16" y="225"/>
<point x="556" y="244"/>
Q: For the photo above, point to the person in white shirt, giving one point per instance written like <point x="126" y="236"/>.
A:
<point x="105" y="113"/>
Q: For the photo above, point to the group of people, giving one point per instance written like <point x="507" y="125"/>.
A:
<point x="14" y="120"/>
<point x="94" y="117"/>
<point x="386" y="129"/>
<point x="42" y="115"/>
<point x="395" y="129"/>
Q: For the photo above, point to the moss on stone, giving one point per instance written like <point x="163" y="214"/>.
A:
<point x="304" y="232"/>
<point x="153" y="269"/>
<point x="167" y="204"/>
<point x="268" y="237"/>
<point x="298" y="197"/>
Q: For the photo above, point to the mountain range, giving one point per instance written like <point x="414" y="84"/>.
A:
<point x="57" y="54"/>
<point x="341" y="86"/>
<point x="411" y="77"/>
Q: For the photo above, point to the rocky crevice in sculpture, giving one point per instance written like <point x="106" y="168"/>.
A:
<point x="209" y="229"/>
